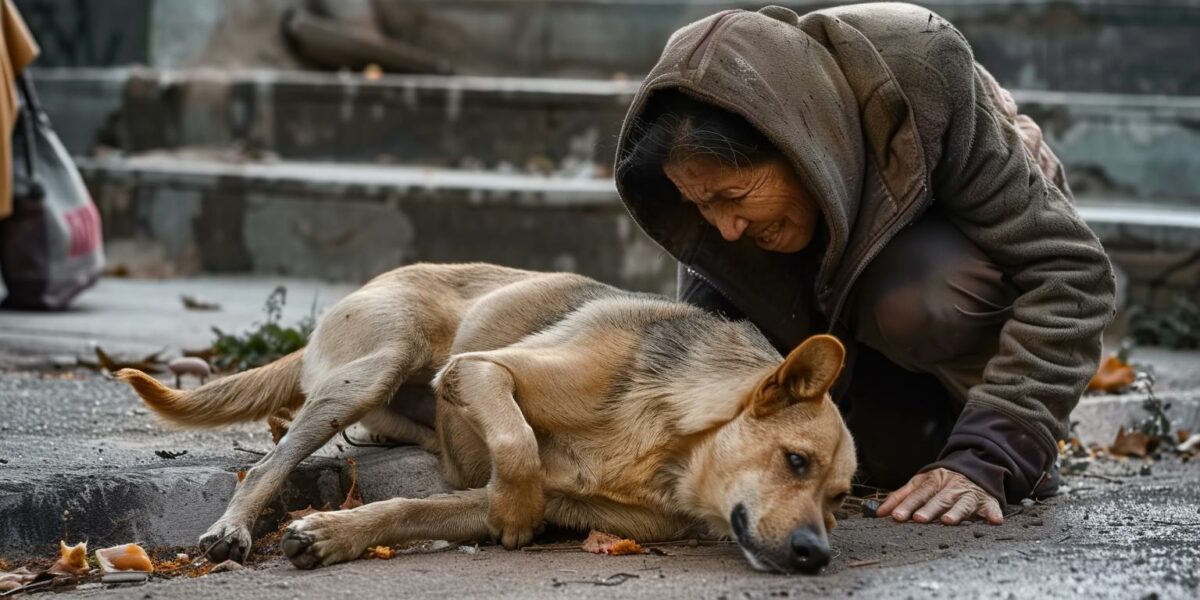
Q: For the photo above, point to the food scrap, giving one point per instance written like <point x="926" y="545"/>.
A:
<point x="11" y="580"/>
<point x="598" y="542"/>
<point x="128" y="562"/>
<point x="379" y="552"/>
<point x="72" y="560"/>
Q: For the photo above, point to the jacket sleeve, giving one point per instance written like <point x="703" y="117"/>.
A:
<point x="991" y="186"/>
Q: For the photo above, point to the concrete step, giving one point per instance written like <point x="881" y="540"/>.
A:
<point x="567" y="125"/>
<point x="348" y="222"/>
<point x="80" y="464"/>
<point x="1077" y="45"/>
<point x="1134" y="147"/>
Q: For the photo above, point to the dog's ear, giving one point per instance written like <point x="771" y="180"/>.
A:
<point x="805" y="375"/>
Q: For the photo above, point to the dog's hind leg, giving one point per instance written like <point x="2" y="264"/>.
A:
<point x="387" y="426"/>
<point x="326" y="538"/>
<point x="338" y="399"/>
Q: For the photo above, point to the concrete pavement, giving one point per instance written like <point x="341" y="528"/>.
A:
<point x="79" y="461"/>
<point x="138" y="316"/>
<point x="1133" y="539"/>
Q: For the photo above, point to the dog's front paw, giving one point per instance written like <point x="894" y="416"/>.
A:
<point x="515" y="514"/>
<point x="321" y="539"/>
<point x="226" y="541"/>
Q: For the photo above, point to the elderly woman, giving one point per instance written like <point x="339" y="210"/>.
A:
<point x="855" y="171"/>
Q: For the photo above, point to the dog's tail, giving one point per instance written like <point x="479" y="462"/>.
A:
<point x="250" y="396"/>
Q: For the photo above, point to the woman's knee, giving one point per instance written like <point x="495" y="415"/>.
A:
<point x="931" y="298"/>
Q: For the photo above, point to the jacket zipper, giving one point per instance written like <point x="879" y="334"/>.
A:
<point x="724" y="294"/>
<point x="862" y="264"/>
<point x="697" y="54"/>
<point x="858" y="269"/>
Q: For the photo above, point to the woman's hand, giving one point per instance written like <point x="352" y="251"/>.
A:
<point x="941" y="493"/>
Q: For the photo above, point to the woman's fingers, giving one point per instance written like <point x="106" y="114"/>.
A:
<point x="991" y="511"/>
<point x="926" y="489"/>
<point x="894" y="499"/>
<point x="943" y="495"/>
<point x="965" y="507"/>
<point x="942" y="502"/>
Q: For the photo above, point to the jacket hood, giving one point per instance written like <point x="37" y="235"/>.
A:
<point x="820" y="92"/>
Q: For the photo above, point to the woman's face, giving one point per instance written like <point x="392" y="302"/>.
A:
<point x="764" y="201"/>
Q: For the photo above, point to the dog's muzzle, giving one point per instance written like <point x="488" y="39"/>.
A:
<point x="805" y="551"/>
<point x="809" y="552"/>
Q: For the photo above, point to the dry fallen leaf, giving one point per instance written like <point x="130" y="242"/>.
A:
<point x="1114" y="375"/>
<point x="241" y="476"/>
<point x="151" y="363"/>
<point x="598" y="542"/>
<point x="72" y="560"/>
<point x="1134" y="443"/>
<point x="193" y="303"/>
<point x="353" y="497"/>
<point x="279" y="428"/>
<point x="304" y="512"/>
<point x="1182" y="435"/>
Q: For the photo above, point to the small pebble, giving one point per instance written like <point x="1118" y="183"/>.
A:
<point x="692" y="543"/>
<point x="870" y="508"/>
<point x="1027" y="502"/>
<point x="190" y="365"/>
<point x="1145" y="470"/>
<point x="943" y="546"/>
<point x="977" y="533"/>
<point x="1036" y="522"/>
<point x="228" y="565"/>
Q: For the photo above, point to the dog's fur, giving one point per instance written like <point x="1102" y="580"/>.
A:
<point x="558" y="400"/>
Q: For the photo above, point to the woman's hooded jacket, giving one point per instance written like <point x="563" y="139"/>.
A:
<point x="884" y="114"/>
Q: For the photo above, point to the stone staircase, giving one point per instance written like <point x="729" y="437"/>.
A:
<point x="340" y="176"/>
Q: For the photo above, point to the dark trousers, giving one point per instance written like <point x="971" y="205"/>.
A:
<point x="926" y="315"/>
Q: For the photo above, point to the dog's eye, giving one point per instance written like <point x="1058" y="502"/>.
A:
<point x="798" y="463"/>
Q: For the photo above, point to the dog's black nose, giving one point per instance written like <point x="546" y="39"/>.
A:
<point x="809" y="551"/>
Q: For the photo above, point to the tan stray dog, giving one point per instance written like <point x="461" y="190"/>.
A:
<point x="558" y="400"/>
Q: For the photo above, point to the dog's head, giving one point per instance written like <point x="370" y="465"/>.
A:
<point x="780" y="469"/>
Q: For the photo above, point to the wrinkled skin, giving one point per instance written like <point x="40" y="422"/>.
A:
<point x="941" y="494"/>
<point x="765" y="201"/>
